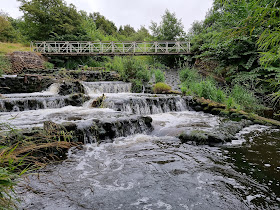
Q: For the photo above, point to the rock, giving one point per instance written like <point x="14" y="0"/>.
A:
<point x="69" y="126"/>
<point x="26" y="60"/>
<point x="77" y="99"/>
<point x="225" y="132"/>
<point x="25" y="84"/>
<point x="67" y="88"/>
<point x="98" y="102"/>
<point x="148" y="121"/>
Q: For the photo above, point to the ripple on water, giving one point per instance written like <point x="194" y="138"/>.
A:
<point x="142" y="172"/>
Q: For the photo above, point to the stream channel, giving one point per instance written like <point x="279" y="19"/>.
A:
<point x="142" y="167"/>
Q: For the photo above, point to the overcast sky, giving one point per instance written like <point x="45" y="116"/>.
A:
<point x="132" y="12"/>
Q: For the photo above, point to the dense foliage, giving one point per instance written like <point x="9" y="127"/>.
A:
<point x="237" y="97"/>
<point x="239" y="41"/>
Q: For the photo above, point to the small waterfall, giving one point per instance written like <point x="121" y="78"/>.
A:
<point x="147" y="105"/>
<point x="53" y="89"/>
<point x="93" y="131"/>
<point x="106" y="87"/>
<point x="32" y="103"/>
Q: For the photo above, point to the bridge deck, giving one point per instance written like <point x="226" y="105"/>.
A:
<point x="85" y="48"/>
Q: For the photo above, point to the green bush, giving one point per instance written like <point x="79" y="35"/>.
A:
<point x="220" y="96"/>
<point x="161" y="88"/>
<point x="245" y="98"/>
<point x="144" y="75"/>
<point x="159" y="76"/>
<point x="230" y="103"/>
<point x="129" y="68"/>
<point x="184" y="90"/>
<point x="189" y="75"/>
<point x="48" y="65"/>
<point x="137" y="86"/>
<point x="206" y="88"/>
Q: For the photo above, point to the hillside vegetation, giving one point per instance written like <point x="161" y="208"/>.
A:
<point x="6" y="48"/>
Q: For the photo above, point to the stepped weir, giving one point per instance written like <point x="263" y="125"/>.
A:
<point x="133" y="155"/>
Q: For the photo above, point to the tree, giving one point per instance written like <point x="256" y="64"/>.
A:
<point x="7" y="31"/>
<point x="142" y="34"/>
<point x="103" y="24"/>
<point x="127" y="30"/>
<point x="48" y="19"/>
<point x="170" y="28"/>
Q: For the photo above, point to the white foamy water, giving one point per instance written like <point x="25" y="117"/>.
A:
<point x="51" y="91"/>
<point x="106" y="87"/>
<point x="36" y="118"/>
<point x="174" y="123"/>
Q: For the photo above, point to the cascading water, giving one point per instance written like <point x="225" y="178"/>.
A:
<point x="119" y="98"/>
<point x="146" y="104"/>
<point x="144" y="168"/>
<point x="32" y="101"/>
<point x="106" y="87"/>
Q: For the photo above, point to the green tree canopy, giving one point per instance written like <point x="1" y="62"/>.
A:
<point x="47" y="19"/>
<point x="170" y="28"/>
<point x="103" y="24"/>
<point x="127" y="30"/>
<point x="7" y="31"/>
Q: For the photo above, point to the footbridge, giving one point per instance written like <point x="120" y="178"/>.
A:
<point x="87" y="48"/>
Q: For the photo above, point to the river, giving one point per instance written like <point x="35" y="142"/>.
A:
<point x="148" y="170"/>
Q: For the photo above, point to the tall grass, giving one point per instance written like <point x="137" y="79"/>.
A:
<point x="131" y="69"/>
<point x="238" y="97"/>
<point x="6" y="48"/>
<point x="7" y="182"/>
<point x="20" y="154"/>
<point x="159" y="76"/>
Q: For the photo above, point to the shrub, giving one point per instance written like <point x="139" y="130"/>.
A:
<point x="143" y="75"/>
<point x="159" y="76"/>
<point x="48" y="65"/>
<point x="161" y="88"/>
<point x="137" y="86"/>
<point x="245" y="98"/>
<point x="208" y="90"/>
<point x="184" y="89"/>
<point x="230" y="103"/>
<point x="221" y="96"/>
<point x="188" y="74"/>
<point x="129" y="68"/>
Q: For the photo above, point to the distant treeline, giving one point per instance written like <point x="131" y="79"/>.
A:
<point x="55" y="20"/>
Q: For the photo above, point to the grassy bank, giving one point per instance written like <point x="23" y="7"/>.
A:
<point x="6" y="48"/>
<point x="237" y="96"/>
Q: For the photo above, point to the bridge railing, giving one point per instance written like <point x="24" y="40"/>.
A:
<point x="111" y="48"/>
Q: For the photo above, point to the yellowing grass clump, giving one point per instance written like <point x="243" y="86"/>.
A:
<point x="6" y="48"/>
